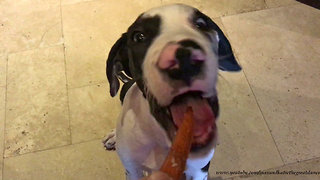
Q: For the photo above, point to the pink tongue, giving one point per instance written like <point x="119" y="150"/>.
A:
<point x="203" y="115"/>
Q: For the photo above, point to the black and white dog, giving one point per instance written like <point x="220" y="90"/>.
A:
<point x="169" y="60"/>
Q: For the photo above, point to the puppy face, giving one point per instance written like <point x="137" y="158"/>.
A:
<point x="173" y="53"/>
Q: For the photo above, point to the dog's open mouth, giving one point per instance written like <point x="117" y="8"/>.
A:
<point x="204" y="113"/>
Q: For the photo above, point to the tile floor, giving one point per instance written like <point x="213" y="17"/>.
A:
<point x="54" y="106"/>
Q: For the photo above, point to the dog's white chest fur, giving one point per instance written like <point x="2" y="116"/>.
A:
<point x="141" y="142"/>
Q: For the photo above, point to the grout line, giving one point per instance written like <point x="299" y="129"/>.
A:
<point x="265" y="4"/>
<point x="87" y="85"/>
<point x="61" y="21"/>
<point x="65" y="73"/>
<point x="36" y="48"/>
<point x="57" y="147"/>
<point x="263" y="116"/>
<point x="68" y="99"/>
<point x="255" y="98"/>
<point x="80" y="2"/>
<point x="227" y="35"/>
<point x="281" y="6"/>
<point x="256" y="10"/>
<point x="302" y="161"/>
<point x="5" y="115"/>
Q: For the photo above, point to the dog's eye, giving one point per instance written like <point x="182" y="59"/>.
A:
<point x="138" y="37"/>
<point x="201" y="23"/>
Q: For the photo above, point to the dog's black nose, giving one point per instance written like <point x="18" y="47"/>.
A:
<point x="182" y="60"/>
<point x="190" y="62"/>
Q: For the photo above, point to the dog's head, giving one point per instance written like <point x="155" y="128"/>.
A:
<point x="173" y="53"/>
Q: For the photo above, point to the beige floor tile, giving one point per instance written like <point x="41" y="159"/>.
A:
<point x="217" y="8"/>
<point x="278" y="3"/>
<point x="29" y="24"/>
<point x="280" y="51"/>
<point x="83" y="161"/>
<point x="37" y="113"/>
<point x="30" y="5"/>
<point x="242" y="139"/>
<point x="93" y="112"/>
<point x="67" y="2"/>
<point x="89" y="36"/>
<point x="245" y="141"/>
<point x="302" y="167"/>
<point x="2" y="119"/>
<point x="3" y="70"/>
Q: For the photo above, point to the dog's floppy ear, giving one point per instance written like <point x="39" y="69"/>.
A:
<point x="227" y="61"/>
<point x="117" y="65"/>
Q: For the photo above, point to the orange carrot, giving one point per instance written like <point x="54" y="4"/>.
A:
<point x="174" y="164"/>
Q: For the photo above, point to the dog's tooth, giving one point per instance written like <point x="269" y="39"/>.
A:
<point x="145" y="173"/>
<point x="168" y="112"/>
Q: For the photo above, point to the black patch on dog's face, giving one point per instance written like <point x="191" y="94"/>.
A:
<point x="140" y="36"/>
<point x="203" y="23"/>
<point x="227" y="61"/>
